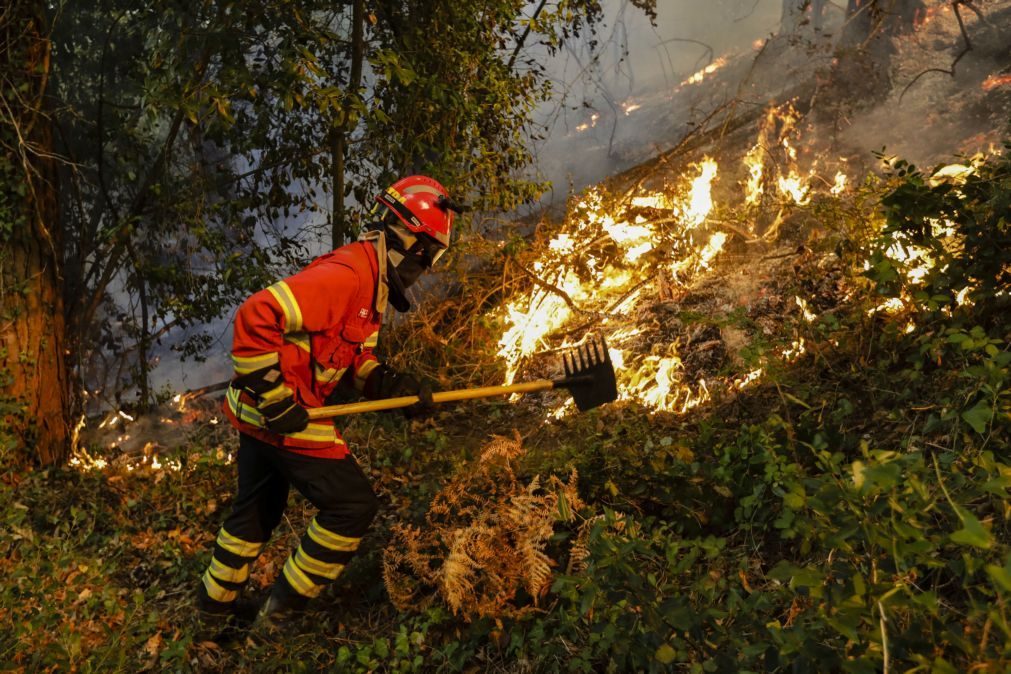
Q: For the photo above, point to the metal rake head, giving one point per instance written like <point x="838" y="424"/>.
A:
<point x="589" y="374"/>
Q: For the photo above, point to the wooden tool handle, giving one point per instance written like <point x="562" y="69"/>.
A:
<point x="440" y="397"/>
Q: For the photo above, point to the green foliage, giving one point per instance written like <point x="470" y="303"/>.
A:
<point x="957" y="224"/>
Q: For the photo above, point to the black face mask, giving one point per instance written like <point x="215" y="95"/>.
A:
<point x="408" y="270"/>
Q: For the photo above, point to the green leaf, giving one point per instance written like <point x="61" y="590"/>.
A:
<point x="795" y="399"/>
<point x="972" y="532"/>
<point x="665" y="654"/>
<point x="978" y="416"/>
<point x="1000" y="576"/>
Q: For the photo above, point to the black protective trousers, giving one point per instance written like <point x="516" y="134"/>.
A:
<point x="337" y="487"/>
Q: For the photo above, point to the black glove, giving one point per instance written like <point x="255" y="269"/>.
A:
<point x="285" y="416"/>
<point x="384" y="382"/>
<point x="425" y="405"/>
<point x="279" y="416"/>
<point x="260" y="381"/>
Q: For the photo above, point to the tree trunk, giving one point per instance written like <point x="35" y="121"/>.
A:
<point x="34" y="402"/>
<point x="341" y="232"/>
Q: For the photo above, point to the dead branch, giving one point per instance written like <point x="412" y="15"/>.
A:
<point x="965" y="50"/>
<point x="551" y="288"/>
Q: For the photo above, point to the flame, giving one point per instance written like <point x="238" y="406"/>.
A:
<point x="915" y="260"/>
<point x="635" y="238"/>
<point x="658" y="201"/>
<point x="610" y="252"/>
<point x="809" y="315"/>
<point x="83" y="461"/>
<point x="791" y="151"/>
<point x="747" y="380"/>
<point x="840" y="184"/>
<point x="563" y="243"/>
<point x="962" y="297"/>
<point x="753" y="186"/>
<point x="796" y="350"/>
<point x="994" y="81"/>
<point x="779" y="123"/>
<point x="792" y="185"/>
<point x="700" y="200"/>
<point x="589" y="125"/>
<point x="711" y="249"/>
<point x="892" y="305"/>
<point x="708" y="70"/>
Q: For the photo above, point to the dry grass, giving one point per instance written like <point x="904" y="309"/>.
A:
<point x="484" y="548"/>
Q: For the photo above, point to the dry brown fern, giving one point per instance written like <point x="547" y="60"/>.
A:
<point x="580" y="550"/>
<point x="485" y="542"/>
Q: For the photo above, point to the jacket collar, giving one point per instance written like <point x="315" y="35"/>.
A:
<point x="377" y="238"/>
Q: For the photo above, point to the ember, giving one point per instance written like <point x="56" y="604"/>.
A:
<point x="994" y="81"/>
<point x="708" y="70"/>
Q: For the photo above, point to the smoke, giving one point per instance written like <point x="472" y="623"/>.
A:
<point x="932" y="111"/>
<point x="618" y="102"/>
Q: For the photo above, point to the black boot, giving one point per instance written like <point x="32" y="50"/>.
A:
<point x="283" y="607"/>
<point x="223" y="622"/>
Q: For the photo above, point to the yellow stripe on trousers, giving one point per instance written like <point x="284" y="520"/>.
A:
<point x="237" y="546"/>
<point x="310" y="564"/>
<point x="331" y="540"/>
<point x="215" y="591"/>
<point x="299" y="581"/>
<point x="227" y="573"/>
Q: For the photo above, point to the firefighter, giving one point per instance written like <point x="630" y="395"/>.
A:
<point x="295" y="344"/>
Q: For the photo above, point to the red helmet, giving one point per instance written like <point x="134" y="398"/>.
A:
<point x="423" y="205"/>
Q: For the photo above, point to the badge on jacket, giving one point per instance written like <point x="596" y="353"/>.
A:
<point x="363" y="312"/>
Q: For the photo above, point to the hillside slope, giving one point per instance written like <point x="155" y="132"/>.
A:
<point x="807" y="468"/>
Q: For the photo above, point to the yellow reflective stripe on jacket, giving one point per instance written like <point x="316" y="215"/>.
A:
<point x="327" y="375"/>
<point x="247" y="364"/>
<point x="215" y="591"/>
<point x="372" y="340"/>
<point x="317" y="433"/>
<point x="363" y="373"/>
<point x="227" y="573"/>
<point x="331" y="540"/>
<point x="244" y="412"/>
<point x="237" y="546"/>
<point x="310" y="564"/>
<point x="279" y="392"/>
<point x="289" y="305"/>
<point x="298" y="580"/>
<point x="299" y="339"/>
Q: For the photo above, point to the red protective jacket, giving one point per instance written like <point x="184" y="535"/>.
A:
<point x="320" y="325"/>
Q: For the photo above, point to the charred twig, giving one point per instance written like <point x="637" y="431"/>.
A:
<point x="204" y="390"/>
<point x="551" y="288"/>
<point x="965" y="50"/>
<point x="681" y="147"/>
<point x="684" y="39"/>
<point x="607" y="312"/>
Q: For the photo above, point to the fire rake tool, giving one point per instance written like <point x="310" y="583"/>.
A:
<point x="589" y="377"/>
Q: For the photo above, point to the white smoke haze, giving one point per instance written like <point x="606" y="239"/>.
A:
<point x="619" y="109"/>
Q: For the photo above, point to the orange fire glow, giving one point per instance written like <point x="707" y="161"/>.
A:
<point x="596" y="260"/>
<point x="705" y="72"/>
<point x="994" y="81"/>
